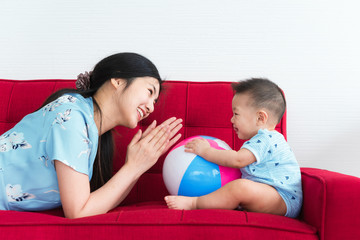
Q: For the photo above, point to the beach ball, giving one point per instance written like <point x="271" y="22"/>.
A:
<point x="188" y="174"/>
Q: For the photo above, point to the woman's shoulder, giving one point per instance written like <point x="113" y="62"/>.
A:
<point x="67" y="109"/>
<point x="72" y="101"/>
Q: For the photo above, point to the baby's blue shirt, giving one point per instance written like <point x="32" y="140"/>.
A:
<point x="276" y="166"/>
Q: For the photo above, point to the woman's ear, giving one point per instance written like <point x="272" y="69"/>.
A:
<point x="115" y="82"/>
<point x="262" y="117"/>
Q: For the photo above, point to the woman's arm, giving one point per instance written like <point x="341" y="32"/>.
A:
<point x="77" y="201"/>
<point x="143" y="152"/>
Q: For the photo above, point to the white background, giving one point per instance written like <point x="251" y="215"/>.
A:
<point x="311" y="48"/>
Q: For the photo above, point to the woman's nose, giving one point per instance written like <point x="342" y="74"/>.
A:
<point x="150" y="107"/>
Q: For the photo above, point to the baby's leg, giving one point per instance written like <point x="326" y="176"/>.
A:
<point x="221" y="198"/>
<point x="252" y="196"/>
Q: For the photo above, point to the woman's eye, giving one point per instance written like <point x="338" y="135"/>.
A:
<point x="151" y="91"/>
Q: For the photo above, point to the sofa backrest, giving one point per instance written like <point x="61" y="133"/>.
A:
<point x="205" y="108"/>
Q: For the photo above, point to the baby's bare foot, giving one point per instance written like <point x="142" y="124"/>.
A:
<point x="181" y="202"/>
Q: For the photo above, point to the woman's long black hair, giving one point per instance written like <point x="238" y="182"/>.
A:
<point x="127" y="66"/>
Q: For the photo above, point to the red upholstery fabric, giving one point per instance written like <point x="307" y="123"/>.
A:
<point x="331" y="203"/>
<point x="330" y="199"/>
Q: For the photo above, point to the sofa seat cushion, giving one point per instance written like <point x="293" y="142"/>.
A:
<point x="215" y="222"/>
<point x="155" y="220"/>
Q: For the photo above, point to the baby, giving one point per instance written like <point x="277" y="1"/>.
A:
<point x="271" y="179"/>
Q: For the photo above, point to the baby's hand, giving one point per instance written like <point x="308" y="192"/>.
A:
<point x="197" y="146"/>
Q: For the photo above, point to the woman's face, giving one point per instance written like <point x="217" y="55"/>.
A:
<point x="137" y="101"/>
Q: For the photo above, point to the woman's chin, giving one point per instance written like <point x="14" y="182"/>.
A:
<point x="134" y="124"/>
<point x="129" y="124"/>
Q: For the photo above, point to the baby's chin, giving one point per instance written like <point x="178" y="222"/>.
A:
<point x="238" y="133"/>
<point x="242" y="137"/>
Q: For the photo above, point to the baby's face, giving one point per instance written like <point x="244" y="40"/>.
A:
<point x="244" y="117"/>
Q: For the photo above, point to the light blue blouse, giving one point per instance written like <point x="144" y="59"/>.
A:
<point x="63" y="130"/>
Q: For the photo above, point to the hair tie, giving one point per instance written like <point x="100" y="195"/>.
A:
<point x="83" y="81"/>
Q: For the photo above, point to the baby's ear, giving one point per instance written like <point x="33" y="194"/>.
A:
<point x="262" y="117"/>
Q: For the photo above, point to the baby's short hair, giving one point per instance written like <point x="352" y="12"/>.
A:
<point x="264" y="93"/>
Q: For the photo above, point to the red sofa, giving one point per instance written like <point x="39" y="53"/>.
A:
<point x="331" y="199"/>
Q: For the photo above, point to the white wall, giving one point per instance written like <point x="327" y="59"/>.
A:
<point x="309" y="47"/>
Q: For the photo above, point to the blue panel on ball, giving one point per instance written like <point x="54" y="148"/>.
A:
<point x="201" y="177"/>
<point x="207" y="137"/>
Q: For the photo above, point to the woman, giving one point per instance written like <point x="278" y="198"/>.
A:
<point x="62" y="153"/>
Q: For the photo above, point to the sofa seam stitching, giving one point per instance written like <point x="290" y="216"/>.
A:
<point x="322" y="224"/>
<point x="52" y="91"/>
<point x="187" y="109"/>
<point x="118" y="216"/>
<point x="8" y="105"/>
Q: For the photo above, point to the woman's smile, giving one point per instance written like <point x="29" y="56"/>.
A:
<point x="141" y="113"/>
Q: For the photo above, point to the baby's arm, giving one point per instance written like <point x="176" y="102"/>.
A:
<point x="227" y="158"/>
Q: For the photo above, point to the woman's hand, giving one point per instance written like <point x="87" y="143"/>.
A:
<point x="143" y="152"/>
<point x="145" y="148"/>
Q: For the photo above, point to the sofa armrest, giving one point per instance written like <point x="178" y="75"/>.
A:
<point x="331" y="203"/>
